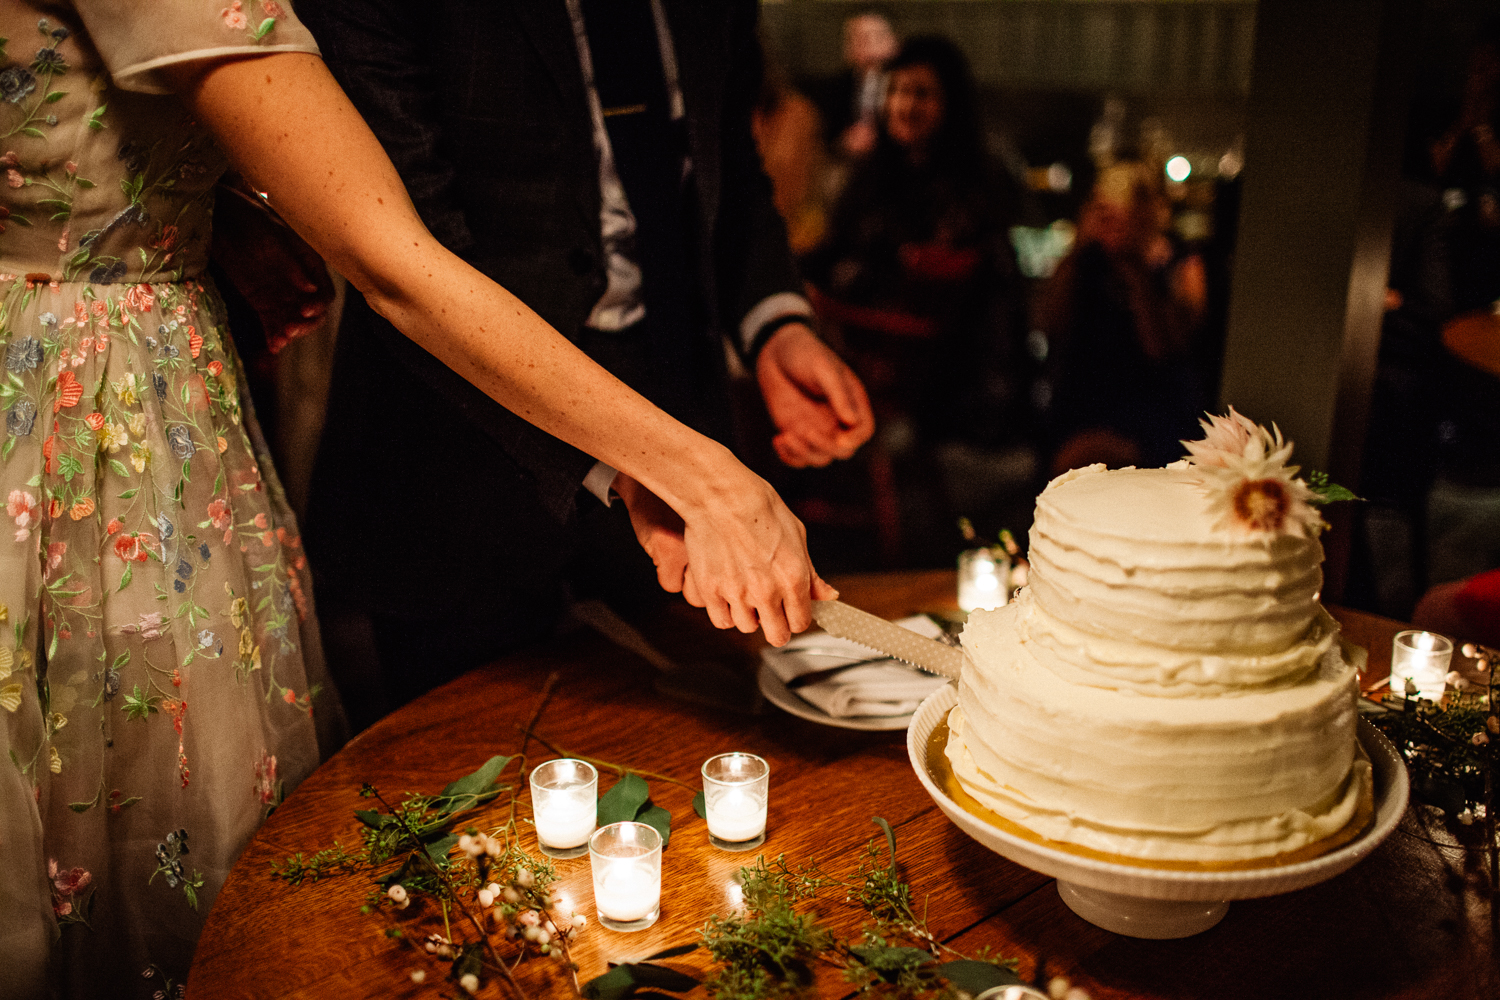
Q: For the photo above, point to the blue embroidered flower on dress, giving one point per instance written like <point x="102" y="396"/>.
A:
<point x="165" y="526"/>
<point x="23" y="355"/>
<point x="21" y="418"/>
<point x="184" y="568"/>
<point x="49" y="322"/>
<point x="181" y="440"/>
<point x="108" y="274"/>
<point x="204" y="552"/>
<point x="159" y="383"/>
<point x="16" y="82"/>
<point x="206" y="638"/>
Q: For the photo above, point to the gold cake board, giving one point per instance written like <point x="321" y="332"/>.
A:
<point x="941" y="771"/>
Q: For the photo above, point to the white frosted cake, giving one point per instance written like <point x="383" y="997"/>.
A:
<point x="1167" y="687"/>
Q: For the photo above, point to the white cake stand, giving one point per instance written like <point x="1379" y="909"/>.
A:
<point x="1156" y="903"/>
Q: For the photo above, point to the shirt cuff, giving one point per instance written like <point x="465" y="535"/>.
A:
<point x="782" y="305"/>
<point x="599" y="481"/>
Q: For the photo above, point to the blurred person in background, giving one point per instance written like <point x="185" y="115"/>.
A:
<point x="918" y="271"/>
<point x="850" y="102"/>
<point x="789" y="136"/>
<point x="1122" y="312"/>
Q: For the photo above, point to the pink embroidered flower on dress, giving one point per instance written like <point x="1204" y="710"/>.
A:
<point x="234" y="16"/>
<point x="55" y="553"/>
<point x="218" y="513"/>
<point x="22" y="506"/>
<point x="140" y="298"/>
<point x="149" y="626"/>
<point x="132" y="548"/>
<point x="265" y="778"/>
<point x="94" y="420"/>
<point x="65" y="886"/>
<point x="13" y="178"/>
<point x="272" y="8"/>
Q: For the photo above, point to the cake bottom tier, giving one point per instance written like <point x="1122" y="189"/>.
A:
<point x="1227" y="778"/>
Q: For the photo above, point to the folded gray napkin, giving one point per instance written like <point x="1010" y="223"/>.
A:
<point x="884" y="687"/>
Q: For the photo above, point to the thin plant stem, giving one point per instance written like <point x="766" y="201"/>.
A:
<point x="619" y="769"/>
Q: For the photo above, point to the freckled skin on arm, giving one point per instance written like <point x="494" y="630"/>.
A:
<point x="299" y="139"/>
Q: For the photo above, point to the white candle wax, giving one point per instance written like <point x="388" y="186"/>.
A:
<point x="627" y="891"/>
<point x="736" y="816"/>
<point x="565" y="820"/>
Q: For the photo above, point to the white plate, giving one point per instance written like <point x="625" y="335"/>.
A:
<point x="1151" y="902"/>
<point x="787" y="700"/>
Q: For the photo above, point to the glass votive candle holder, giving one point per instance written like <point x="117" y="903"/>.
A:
<point x="626" y="863"/>
<point x="564" y="806"/>
<point x="983" y="579"/>
<point x="1422" y="658"/>
<point x="736" y="788"/>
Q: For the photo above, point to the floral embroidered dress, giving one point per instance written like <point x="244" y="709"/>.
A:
<point x="159" y="662"/>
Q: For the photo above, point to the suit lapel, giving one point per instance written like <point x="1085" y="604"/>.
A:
<point x="547" y="27"/>
<point x="702" y="58"/>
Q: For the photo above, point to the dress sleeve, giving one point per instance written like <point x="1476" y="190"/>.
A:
<point x="135" y="40"/>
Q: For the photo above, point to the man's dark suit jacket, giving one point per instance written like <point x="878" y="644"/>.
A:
<point x="425" y="489"/>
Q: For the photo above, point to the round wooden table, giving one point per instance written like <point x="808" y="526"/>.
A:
<point x="1474" y="338"/>
<point x="1411" y="921"/>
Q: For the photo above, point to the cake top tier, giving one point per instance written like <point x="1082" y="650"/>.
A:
<point x="1157" y="518"/>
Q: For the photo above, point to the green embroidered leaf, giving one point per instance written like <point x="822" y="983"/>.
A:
<point x="125" y="578"/>
<point x="129" y="493"/>
<point x="623" y="802"/>
<point x="35" y="133"/>
<point x="84" y="182"/>
<point x="118" y="467"/>
<point x="121" y="660"/>
<point x="56" y="96"/>
<point x="5" y="448"/>
<point x="264" y="29"/>
<point x="69" y="467"/>
<point x="20" y="220"/>
<point x="139" y="705"/>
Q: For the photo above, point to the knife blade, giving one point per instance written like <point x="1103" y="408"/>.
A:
<point x="848" y="622"/>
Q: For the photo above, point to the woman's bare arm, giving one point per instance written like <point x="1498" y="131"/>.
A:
<point x="291" y="131"/>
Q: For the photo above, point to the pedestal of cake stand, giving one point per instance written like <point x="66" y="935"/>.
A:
<point x="1137" y="916"/>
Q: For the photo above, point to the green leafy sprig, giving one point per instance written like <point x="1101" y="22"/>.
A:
<point x="1452" y="749"/>
<point x="770" y="949"/>
<point x="1325" y="492"/>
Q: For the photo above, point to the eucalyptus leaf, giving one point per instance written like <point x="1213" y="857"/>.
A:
<point x="472" y="789"/>
<point x="700" y="806"/>
<point x="372" y="818"/>
<point x="882" y="958"/>
<point x="890" y="838"/>
<point x="438" y="849"/>
<point x="658" y="819"/>
<point x="624" y="980"/>
<point x="974" y="977"/>
<point x="661" y="977"/>
<point x="616" y="984"/>
<point x="623" y="802"/>
<point x="677" y="952"/>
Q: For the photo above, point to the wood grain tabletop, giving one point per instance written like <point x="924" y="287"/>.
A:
<point x="1411" y="921"/>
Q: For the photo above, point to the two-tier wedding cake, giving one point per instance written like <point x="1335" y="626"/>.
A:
<point x="1167" y="687"/>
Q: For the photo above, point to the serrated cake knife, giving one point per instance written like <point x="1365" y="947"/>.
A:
<point x="848" y="622"/>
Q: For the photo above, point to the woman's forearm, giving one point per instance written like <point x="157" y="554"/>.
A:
<point x="292" y="132"/>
